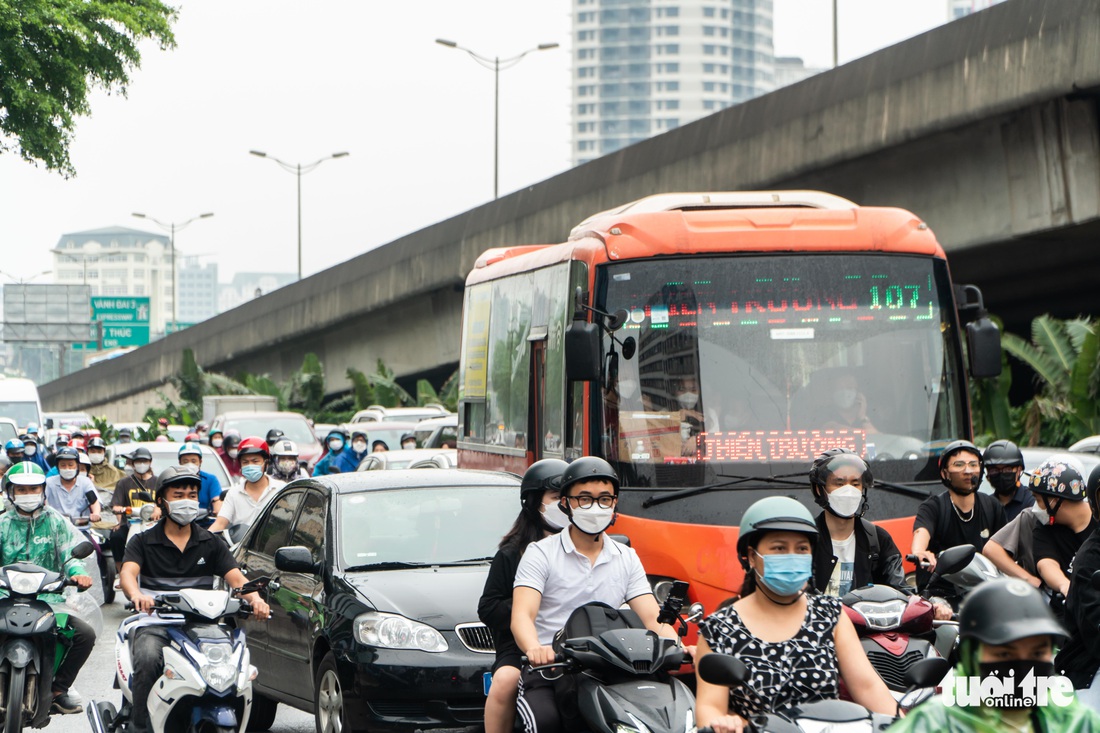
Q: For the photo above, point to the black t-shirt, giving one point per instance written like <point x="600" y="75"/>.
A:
<point x="947" y="529"/>
<point x="165" y="568"/>
<point x="495" y="607"/>
<point x="1059" y="543"/>
<point x="127" y="488"/>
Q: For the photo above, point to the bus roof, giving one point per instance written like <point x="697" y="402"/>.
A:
<point x="724" y="222"/>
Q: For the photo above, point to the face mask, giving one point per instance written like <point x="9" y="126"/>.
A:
<point x="786" y="575"/>
<point x="1040" y="514"/>
<point x="593" y="520"/>
<point x="96" y="458"/>
<point x="142" y="467"/>
<point x="30" y="449"/>
<point x="688" y="400"/>
<point x="233" y="452"/>
<point x="628" y="388"/>
<point x="335" y="445"/>
<point x="252" y="474"/>
<point x="67" y="473"/>
<point x="358" y="446"/>
<point x="216" y="443"/>
<point x="409" y="446"/>
<point x="844" y="398"/>
<point x="554" y="516"/>
<point x="288" y="468"/>
<point x="1003" y="483"/>
<point x="15" y="459"/>
<point x="29" y="502"/>
<point x="183" y="511"/>
<point x="124" y="439"/>
<point x="845" y="501"/>
<point x="1015" y="669"/>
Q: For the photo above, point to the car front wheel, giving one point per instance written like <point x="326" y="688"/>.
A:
<point x="330" y="707"/>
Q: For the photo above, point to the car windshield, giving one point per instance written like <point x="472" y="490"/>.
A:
<point x="752" y="365"/>
<point x="22" y="413"/>
<point x="431" y="526"/>
<point x="390" y="436"/>
<point x="296" y="429"/>
<point x="169" y="456"/>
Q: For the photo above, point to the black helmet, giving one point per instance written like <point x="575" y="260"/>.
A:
<point x="588" y="468"/>
<point x="230" y="439"/>
<point x="273" y="435"/>
<point x="827" y="463"/>
<point x="1003" y="453"/>
<point x="67" y="453"/>
<point x="175" y="475"/>
<point x="125" y="431"/>
<point x="1004" y="610"/>
<point x="1060" y="477"/>
<point x="541" y="476"/>
<point x="97" y="442"/>
<point x="954" y="447"/>
<point x="408" y="436"/>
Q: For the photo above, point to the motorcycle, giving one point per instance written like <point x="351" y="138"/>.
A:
<point x="105" y="561"/>
<point x="963" y="579"/>
<point x="207" y="682"/>
<point x="898" y="630"/>
<point x="31" y="649"/>
<point x="823" y="715"/>
<point x="623" y="672"/>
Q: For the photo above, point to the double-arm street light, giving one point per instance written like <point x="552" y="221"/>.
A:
<point x="172" y="227"/>
<point x="495" y="64"/>
<point x="299" y="170"/>
<point x="24" y="280"/>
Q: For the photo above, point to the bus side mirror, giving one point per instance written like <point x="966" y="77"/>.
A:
<point x="983" y="340"/>
<point x="582" y="351"/>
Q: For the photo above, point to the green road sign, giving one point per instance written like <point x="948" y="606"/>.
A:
<point x="125" y="321"/>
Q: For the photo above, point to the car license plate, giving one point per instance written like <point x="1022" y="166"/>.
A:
<point x="487" y="682"/>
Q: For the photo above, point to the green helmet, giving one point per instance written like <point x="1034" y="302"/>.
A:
<point x="774" y="514"/>
<point x="26" y="473"/>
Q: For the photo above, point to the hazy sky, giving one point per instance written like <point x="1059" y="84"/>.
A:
<point x="301" y="80"/>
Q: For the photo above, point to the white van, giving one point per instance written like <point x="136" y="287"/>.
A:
<point x="19" y="402"/>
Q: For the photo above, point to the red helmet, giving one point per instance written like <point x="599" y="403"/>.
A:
<point x="253" y="445"/>
<point x="191" y="438"/>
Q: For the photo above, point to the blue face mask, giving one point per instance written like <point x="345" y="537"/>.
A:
<point x="252" y="474"/>
<point x="785" y="575"/>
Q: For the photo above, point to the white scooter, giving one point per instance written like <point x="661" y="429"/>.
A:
<point x="207" y="682"/>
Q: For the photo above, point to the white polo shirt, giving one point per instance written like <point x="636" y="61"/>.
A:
<point x="567" y="579"/>
<point x="240" y="508"/>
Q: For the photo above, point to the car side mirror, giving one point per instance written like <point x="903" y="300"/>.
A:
<point x="295" y="559"/>
<point x="722" y="669"/>
<point x="82" y="550"/>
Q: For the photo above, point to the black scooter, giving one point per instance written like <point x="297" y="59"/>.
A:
<point x="29" y="641"/>
<point x="623" y="674"/>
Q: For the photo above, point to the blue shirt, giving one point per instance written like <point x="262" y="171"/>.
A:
<point x="1022" y="499"/>
<point x="209" y="490"/>
<point x="70" y="503"/>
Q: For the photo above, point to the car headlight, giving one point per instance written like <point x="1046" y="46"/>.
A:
<point x="25" y="583"/>
<point x="391" y="631"/>
<point x="220" y="671"/>
<point x="881" y="616"/>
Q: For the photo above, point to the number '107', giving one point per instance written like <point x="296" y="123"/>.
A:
<point x="894" y="296"/>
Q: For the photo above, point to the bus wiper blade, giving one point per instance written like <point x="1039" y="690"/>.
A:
<point x="734" y="481"/>
<point x="903" y="489"/>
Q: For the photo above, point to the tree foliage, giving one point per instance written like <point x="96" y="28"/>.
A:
<point x="54" y="52"/>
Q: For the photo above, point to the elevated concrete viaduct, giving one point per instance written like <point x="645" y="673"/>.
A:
<point x="987" y="127"/>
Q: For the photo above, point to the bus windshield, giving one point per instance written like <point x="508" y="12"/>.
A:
<point x="751" y="365"/>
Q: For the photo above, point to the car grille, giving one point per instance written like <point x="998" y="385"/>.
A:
<point x="892" y="669"/>
<point x="476" y="638"/>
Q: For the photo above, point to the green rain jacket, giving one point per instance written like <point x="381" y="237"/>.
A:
<point x="45" y="539"/>
<point x="934" y="716"/>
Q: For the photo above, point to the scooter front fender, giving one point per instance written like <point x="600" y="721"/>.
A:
<point x="167" y="692"/>
<point x="19" y="652"/>
<point x="220" y="715"/>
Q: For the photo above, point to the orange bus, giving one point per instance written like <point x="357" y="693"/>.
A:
<point x="709" y="345"/>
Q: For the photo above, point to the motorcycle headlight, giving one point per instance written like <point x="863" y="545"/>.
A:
<point x="25" y="583"/>
<point x="391" y="631"/>
<point x="220" y="671"/>
<point x="881" y="616"/>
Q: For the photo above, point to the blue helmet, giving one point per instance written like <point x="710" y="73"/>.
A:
<point x="14" y="445"/>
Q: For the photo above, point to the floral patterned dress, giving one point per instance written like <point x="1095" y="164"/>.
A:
<point x="782" y="674"/>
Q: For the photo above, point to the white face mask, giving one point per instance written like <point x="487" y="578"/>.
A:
<point x="410" y="445"/>
<point x="845" y="501"/>
<point x="142" y="467"/>
<point x="688" y="400"/>
<point x="233" y="452"/>
<point x="67" y="473"/>
<point x="844" y="398"/>
<point x="29" y="449"/>
<point x="358" y="446"/>
<point x="183" y="511"/>
<point x="29" y="502"/>
<point x="554" y="516"/>
<point x="96" y="458"/>
<point x="288" y="467"/>
<point x="1041" y="514"/>
<point x="216" y="443"/>
<point x="593" y="520"/>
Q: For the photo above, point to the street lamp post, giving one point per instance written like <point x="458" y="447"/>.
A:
<point x="171" y="227"/>
<point x="299" y="170"/>
<point x="24" y="280"/>
<point x="496" y="63"/>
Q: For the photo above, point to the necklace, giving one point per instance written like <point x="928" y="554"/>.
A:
<point x="960" y="514"/>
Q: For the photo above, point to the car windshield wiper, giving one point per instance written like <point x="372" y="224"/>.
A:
<point x="785" y="480"/>
<point x="468" y="561"/>
<point x="389" y="565"/>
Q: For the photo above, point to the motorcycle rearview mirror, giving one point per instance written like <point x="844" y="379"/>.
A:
<point x="954" y="559"/>
<point x="82" y="550"/>
<point x="257" y="585"/>
<point x="143" y="496"/>
<point x="722" y="669"/>
<point x="927" y="672"/>
<point x="696" y="611"/>
<point x="147" y="511"/>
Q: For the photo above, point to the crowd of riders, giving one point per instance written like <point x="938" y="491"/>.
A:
<point x="786" y="624"/>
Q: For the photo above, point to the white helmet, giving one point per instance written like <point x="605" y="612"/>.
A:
<point x="284" y="448"/>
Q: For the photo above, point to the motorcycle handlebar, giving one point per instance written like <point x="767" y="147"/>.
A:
<point x="917" y="561"/>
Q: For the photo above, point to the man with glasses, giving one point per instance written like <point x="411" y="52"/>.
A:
<point x="958" y="516"/>
<point x="564" y="571"/>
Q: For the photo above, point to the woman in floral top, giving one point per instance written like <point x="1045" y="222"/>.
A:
<point x="795" y="646"/>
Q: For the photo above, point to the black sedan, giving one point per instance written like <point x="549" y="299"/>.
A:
<point x="376" y="577"/>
